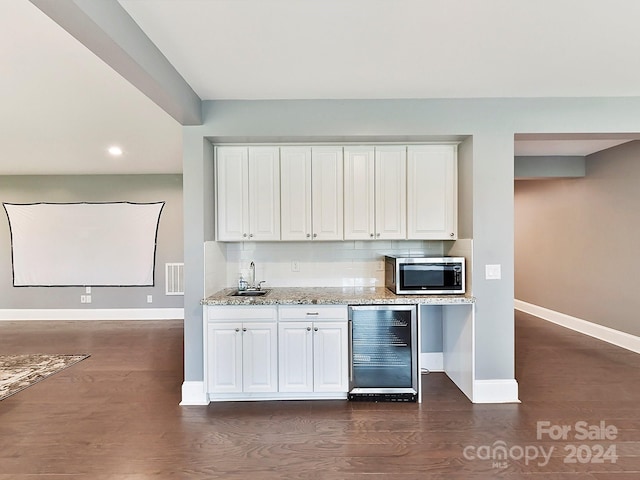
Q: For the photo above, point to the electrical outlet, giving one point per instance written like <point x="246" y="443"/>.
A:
<point x="83" y="299"/>
<point x="380" y="265"/>
<point x="492" y="272"/>
<point x="149" y="298"/>
<point x="87" y="289"/>
<point x="88" y="298"/>
<point x="295" y="266"/>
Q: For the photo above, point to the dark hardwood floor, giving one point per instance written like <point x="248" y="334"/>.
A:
<point x="116" y="416"/>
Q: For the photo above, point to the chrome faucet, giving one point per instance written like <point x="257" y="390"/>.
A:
<point x="252" y="275"/>
<point x="252" y="278"/>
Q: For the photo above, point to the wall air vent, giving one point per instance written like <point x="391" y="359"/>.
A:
<point x="174" y="278"/>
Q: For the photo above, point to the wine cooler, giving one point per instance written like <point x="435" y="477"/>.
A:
<point x="383" y="356"/>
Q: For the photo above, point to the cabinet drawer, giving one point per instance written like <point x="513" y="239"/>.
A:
<point x="242" y="313"/>
<point x="313" y="312"/>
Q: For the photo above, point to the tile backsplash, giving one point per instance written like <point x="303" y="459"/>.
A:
<point x="318" y="264"/>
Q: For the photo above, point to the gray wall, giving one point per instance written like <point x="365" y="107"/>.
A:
<point x="492" y="123"/>
<point x="95" y="188"/>
<point x="576" y="241"/>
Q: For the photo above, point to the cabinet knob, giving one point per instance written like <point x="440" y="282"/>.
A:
<point x="315" y="329"/>
<point x="451" y="234"/>
<point x="244" y="235"/>
<point x="371" y="235"/>
<point x="378" y="235"/>
<point x="308" y="329"/>
<point x="308" y="235"/>
<point x="244" y="329"/>
<point x="315" y="235"/>
<point x="237" y="329"/>
<point x="251" y="235"/>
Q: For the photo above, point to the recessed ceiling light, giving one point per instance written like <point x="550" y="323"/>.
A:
<point x="115" y="151"/>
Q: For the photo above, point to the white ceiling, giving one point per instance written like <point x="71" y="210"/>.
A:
<point x="263" y="49"/>
<point x="62" y="106"/>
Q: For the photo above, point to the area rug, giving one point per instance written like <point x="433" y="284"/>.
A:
<point x="18" y="372"/>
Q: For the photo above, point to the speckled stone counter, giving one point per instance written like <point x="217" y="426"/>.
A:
<point x="333" y="296"/>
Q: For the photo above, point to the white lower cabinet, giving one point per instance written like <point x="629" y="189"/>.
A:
<point x="286" y="352"/>
<point x="313" y="349"/>
<point x="241" y="350"/>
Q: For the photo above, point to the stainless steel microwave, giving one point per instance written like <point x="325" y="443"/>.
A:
<point x="408" y="275"/>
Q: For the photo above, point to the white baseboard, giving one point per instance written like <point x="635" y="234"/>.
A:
<point x="193" y="394"/>
<point x="606" y="334"/>
<point x="495" y="391"/>
<point x="432" y="361"/>
<point x="92" y="314"/>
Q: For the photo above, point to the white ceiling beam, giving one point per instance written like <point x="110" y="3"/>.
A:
<point x="106" y="29"/>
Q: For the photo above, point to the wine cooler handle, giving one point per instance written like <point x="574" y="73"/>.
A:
<point x="350" y="352"/>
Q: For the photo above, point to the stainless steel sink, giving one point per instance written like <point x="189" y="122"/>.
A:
<point x="249" y="293"/>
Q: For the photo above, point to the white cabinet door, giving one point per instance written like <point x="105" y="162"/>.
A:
<point x="259" y="357"/>
<point x="232" y="180"/>
<point x="248" y="193"/>
<point x="359" y="194"/>
<point x="330" y="357"/>
<point x="327" y="193"/>
<point x="391" y="193"/>
<point x="224" y="357"/>
<point x="375" y="193"/>
<point x="313" y="349"/>
<point x="295" y="193"/>
<point x="432" y="192"/>
<point x="264" y="193"/>
<point x="295" y="356"/>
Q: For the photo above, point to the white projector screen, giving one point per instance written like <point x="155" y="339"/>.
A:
<point x="83" y="244"/>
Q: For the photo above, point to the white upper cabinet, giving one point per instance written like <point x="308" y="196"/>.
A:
<point x="311" y="193"/>
<point x="391" y="192"/>
<point x="432" y="192"/>
<point x="359" y="195"/>
<point x="295" y="193"/>
<point x="248" y="193"/>
<point x="327" y="193"/>
<point x="375" y="193"/>
<point x="232" y="175"/>
<point x="264" y="193"/>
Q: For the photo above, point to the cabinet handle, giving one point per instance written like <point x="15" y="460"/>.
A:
<point x="451" y="234"/>
<point x="313" y="313"/>
<point x="308" y="329"/>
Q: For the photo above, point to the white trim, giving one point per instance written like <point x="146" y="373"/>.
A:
<point x="495" y="391"/>
<point x="432" y="361"/>
<point x="606" y="334"/>
<point x="92" y="314"/>
<point x="193" y="394"/>
<point x="267" y="396"/>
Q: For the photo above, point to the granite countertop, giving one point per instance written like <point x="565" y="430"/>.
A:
<point x="333" y="296"/>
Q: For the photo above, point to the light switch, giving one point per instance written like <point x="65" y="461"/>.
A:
<point x="492" y="272"/>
